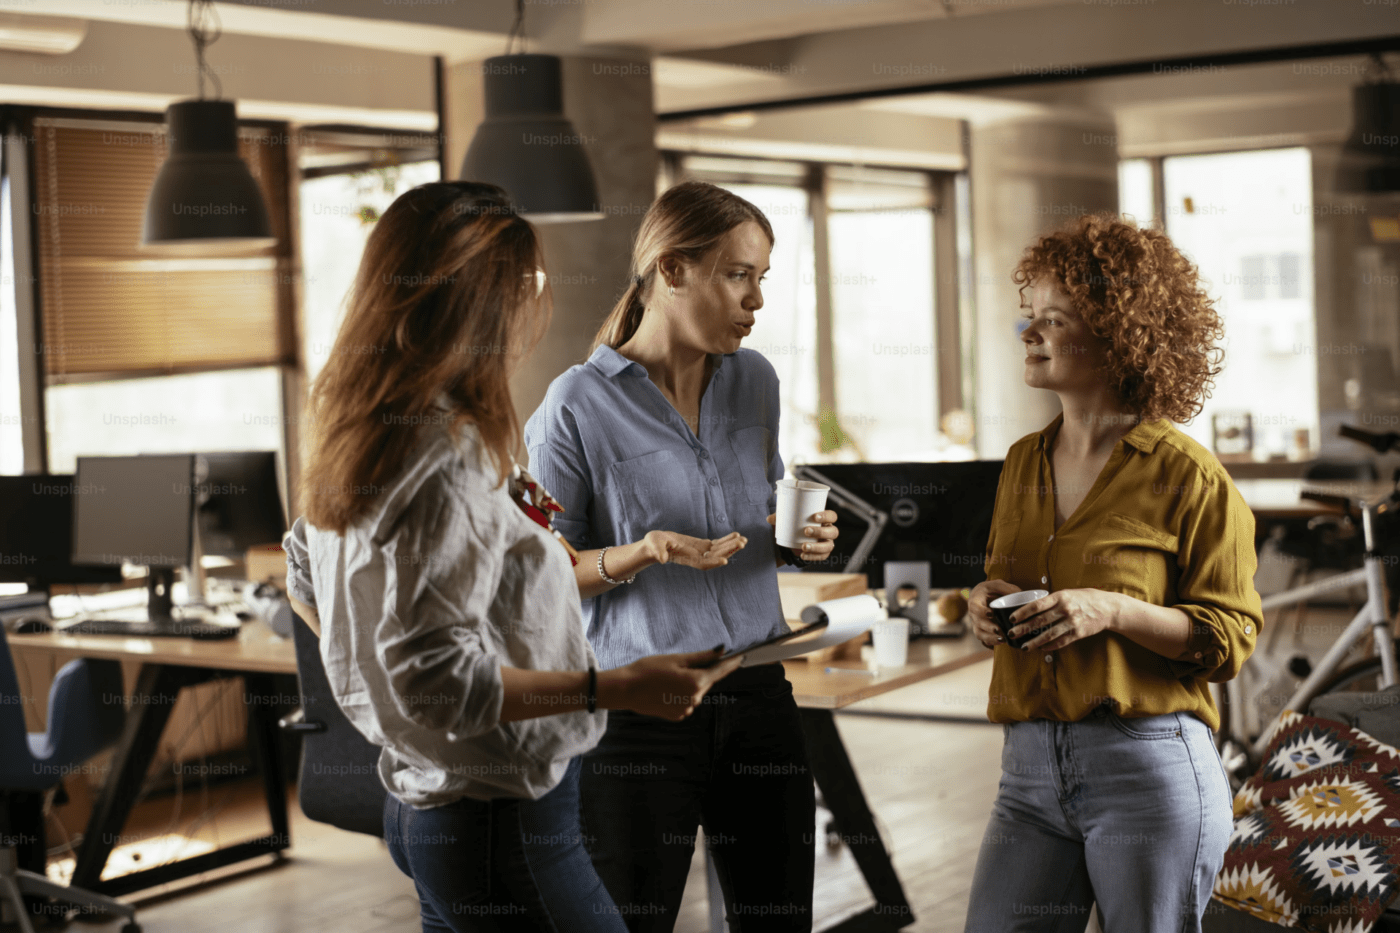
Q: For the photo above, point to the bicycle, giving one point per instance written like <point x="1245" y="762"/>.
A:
<point x="1242" y="753"/>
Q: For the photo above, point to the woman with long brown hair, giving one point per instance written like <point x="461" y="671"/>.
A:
<point x="448" y="614"/>
<point x="663" y="450"/>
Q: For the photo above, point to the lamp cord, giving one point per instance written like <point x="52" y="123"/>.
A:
<point x="205" y="29"/>
<point x="517" y="29"/>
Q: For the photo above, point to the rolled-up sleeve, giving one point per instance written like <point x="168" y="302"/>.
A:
<point x="1217" y="561"/>
<point x="558" y="464"/>
<point x="441" y="575"/>
<point x="294" y="545"/>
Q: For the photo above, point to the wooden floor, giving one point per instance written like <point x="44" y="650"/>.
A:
<point x="930" y="785"/>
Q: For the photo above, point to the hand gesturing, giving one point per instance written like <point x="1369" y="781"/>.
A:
<point x="671" y="547"/>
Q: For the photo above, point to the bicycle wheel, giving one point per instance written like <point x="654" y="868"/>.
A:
<point x="1364" y="676"/>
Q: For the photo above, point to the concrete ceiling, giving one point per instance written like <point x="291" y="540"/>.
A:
<point x="720" y="53"/>
<point x="708" y="54"/>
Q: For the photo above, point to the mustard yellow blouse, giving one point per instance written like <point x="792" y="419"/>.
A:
<point x="1163" y="523"/>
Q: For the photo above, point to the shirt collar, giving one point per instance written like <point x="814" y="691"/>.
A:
<point x="612" y="363"/>
<point x="1144" y="435"/>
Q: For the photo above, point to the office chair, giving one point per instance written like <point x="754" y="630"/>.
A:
<point x="86" y="713"/>
<point x="339" y="780"/>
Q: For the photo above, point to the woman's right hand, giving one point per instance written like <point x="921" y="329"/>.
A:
<point x="984" y="625"/>
<point x="671" y="547"/>
<point x="668" y="686"/>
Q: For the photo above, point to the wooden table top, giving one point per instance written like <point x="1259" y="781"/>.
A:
<point x="256" y="648"/>
<point x="813" y="688"/>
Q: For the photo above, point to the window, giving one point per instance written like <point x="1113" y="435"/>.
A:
<point x="337" y="215"/>
<point x="1246" y="220"/>
<point x="868" y="389"/>
<point x="238" y="409"/>
<point x="11" y="415"/>
<point x="1135" y="191"/>
<point x="883" y="335"/>
<point x="145" y="354"/>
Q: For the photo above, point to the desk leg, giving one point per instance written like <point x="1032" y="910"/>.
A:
<point x="156" y="689"/>
<point x="266" y="739"/>
<point x="157" y="685"/>
<point x="831" y="767"/>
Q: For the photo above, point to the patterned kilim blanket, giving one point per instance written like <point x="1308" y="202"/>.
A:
<point x="1317" y="830"/>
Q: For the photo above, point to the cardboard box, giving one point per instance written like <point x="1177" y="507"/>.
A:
<point x="267" y="563"/>
<point x="800" y="590"/>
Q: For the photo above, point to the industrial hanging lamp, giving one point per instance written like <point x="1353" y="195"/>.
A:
<point x="1370" y="160"/>
<point x="204" y="197"/>
<point x="526" y="145"/>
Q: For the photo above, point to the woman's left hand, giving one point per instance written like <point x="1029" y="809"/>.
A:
<point x="1065" y="617"/>
<point x="821" y="525"/>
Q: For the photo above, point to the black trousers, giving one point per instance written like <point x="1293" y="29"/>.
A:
<point x="738" y="767"/>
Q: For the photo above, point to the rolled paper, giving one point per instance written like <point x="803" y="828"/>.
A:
<point x="845" y="618"/>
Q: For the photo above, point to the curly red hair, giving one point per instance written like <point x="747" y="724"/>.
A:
<point x="1136" y="290"/>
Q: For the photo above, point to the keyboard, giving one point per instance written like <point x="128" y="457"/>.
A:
<point x="133" y="629"/>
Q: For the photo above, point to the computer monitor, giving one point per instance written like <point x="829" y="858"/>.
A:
<point x="136" y="510"/>
<point x="938" y="512"/>
<point x="239" y="506"/>
<point x="36" y="534"/>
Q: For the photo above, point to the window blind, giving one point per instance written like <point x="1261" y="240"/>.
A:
<point x="111" y="309"/>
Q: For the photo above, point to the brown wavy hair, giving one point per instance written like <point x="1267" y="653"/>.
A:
<point x="445" y="301"/>
<point x="687" y="221"/>
<point x="1136" y="290"/>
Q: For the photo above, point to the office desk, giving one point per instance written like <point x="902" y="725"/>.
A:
<point x="819" y="695"/>
<point x="167" y="666"/>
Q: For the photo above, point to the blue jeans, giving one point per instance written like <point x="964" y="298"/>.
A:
<point x="501" y="866"/>
<point x="737" y="766"/>
<point x="1133" y="814"/>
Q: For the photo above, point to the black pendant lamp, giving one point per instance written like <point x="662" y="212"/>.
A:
<point x="526" y="145"/>
<point x="1370" y="161"/>
<point x="204" y="198"/>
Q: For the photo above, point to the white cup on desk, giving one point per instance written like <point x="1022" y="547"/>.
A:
<point x="798" y="501"/>
<point x="891" y="637"/>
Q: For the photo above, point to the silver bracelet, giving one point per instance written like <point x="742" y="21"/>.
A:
<point x="604" y="574"/>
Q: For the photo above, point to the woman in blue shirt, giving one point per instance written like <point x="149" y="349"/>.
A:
<point x="662" y="448"/>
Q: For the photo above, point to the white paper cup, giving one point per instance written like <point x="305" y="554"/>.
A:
<point x="798" y="501"/>
<point x="891" y="642"/>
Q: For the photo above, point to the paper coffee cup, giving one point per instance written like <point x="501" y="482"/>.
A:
<point x="798" y="501"/>
<point x="891" y="641"/>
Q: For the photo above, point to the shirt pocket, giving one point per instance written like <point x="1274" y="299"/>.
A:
<point x="753" y="450"/>
<point x="1002" y="546"/>
<point x="1130" y="556"/>
<point x="659" y="491"/>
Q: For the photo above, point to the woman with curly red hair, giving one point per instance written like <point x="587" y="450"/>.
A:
<point x="1112" y="790"/>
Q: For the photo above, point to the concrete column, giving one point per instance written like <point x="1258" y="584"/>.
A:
<point x="1029" y="176"/>
<point x="610" y="104"/>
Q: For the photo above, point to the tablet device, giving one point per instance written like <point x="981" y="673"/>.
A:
<point x="777" y="639"/>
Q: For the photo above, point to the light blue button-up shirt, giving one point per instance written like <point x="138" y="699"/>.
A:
<point x="622" y="461"/>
